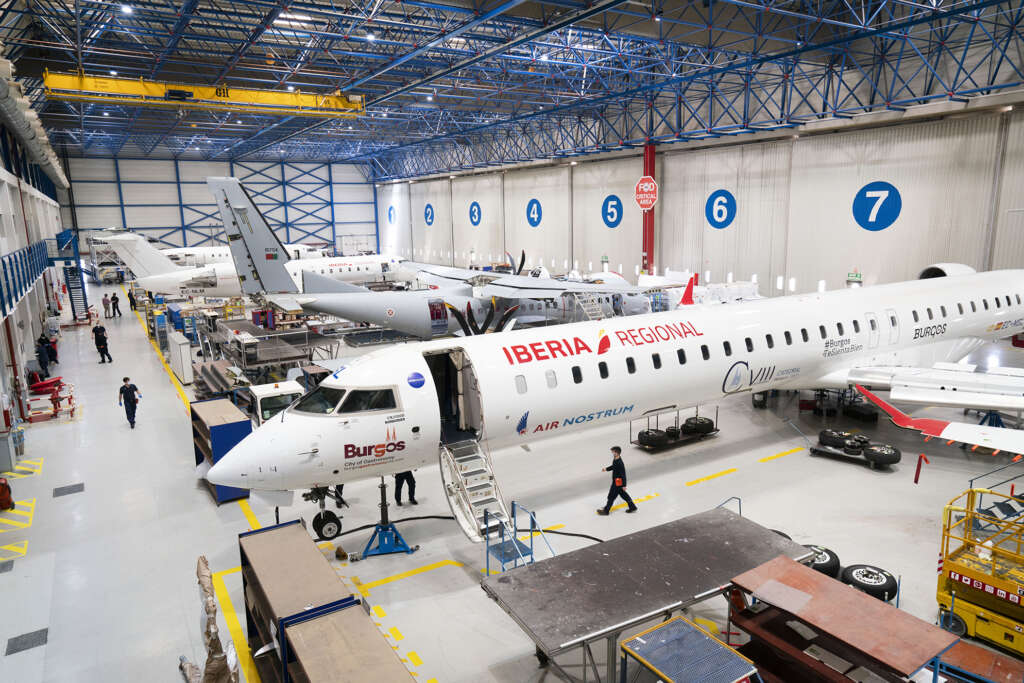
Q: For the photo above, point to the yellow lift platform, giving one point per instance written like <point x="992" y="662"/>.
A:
<point x="139" y="92"/>
<point x="981" y="580"/>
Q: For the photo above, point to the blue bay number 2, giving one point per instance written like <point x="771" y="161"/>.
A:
<point x="720" y="209"/>
<point x="533" y="213"/>
<point x="877" y="205"/>
<point x="428" y="214"/>
<point x="391" y="215"/>
<point x="611" y="211"/>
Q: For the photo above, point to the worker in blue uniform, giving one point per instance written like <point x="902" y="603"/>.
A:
<point x="618" y="488"/>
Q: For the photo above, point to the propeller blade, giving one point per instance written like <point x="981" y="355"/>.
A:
<point x="471" y="319"/>
<point x="522" y="262"/>
<point x="506" y="316"/>
<point x="459" y="318"/>
<point x="490" y="316"/>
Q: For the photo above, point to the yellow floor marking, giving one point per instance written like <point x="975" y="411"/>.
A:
<point x="396" y="634"/>
<point x="642" y="499"/>
<point x="245" y="662"/>
<point x="163" y="362"/>
<point x="553" y="527"/>
<point x="783" y="454"/>
<point x="254" y="523"/>
<point x="415" y="659"/>
<point x="28" y="508"/>
<point x="432" y="680"/>
<point x="25" y="468"/>
<point x="365" y="588"/>
<point x="379" y="611"/>
<point x="710" y="477"/>
<point x="13" y="551"/>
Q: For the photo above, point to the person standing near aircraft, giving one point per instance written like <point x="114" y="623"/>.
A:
<point x="99" y="335"/>
<point x="131" y="300"/>
<point x="128" y="396"/>
<point x="618" y="488"/>
<point x="405" y="478"/>
<point x="115" y="306"/>
<point x="106" y="305"/>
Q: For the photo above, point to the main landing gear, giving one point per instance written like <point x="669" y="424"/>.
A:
<point x="326" y="524"/>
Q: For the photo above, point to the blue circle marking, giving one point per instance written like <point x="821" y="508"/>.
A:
<point x="415" y="380"/>
<point x="428" y="214"/>
<point x="391" y="214"/>
<point x="877" y="205"/>
<point x="475" y="214"/>
<point x="534" y="213"/>
<point x="611" y="211"/>
<point x="720" y="209"/>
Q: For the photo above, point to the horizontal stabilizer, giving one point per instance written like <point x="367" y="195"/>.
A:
<point x="315" y="283"/>
<point x="139" y="255"/>
<point x="289" y="303"/>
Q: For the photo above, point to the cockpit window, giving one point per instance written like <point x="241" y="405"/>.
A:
<point x="320" y="401"/>
<point x="368" y="399"/>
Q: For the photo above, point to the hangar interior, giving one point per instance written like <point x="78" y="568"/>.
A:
<point x="795" y="205"/>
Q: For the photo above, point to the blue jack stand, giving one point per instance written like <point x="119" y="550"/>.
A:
<point x="386" y="539"/>
<point x="992" y="418"/>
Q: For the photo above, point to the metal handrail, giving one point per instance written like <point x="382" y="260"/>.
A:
<point x="739" y="504"/>
<point x="533" y="523"/>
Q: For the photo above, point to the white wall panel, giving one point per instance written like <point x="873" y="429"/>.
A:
<point x="101" y="217"/>
<point x="550" y="239"/>
<point x="1008" y="248"/>
<point x="593" y="236"/>
<point x="432" y="243"/>
<point x="90" y="194"/>
<point x="91" y="169"/>
<point x="145" y="170"/>
<point x="194" y="193"/>
<point x="393" y="219"/>
<point x="150" y="193"/>
<point x="944" y="173"/>
<point x="151" y="216"/>
<point x="199" y="170"/>
<point x="485" y="241"/>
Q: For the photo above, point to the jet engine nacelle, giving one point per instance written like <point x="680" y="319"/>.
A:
<point x="945" y="269"/>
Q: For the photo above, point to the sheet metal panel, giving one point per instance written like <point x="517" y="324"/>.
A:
<point x="550" y="238"/>
<point x="573" y="597"/>
<point x="431" y="219"/>
<point x="606" y="221"/>
<point x="1008" y="247"/>
<point x="393" y="219"/>
<point x="477" y="199"/>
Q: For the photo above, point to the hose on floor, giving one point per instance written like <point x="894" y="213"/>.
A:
<point x="450" y="517"/>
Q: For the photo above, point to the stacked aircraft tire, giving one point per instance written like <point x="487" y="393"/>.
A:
<point x="867" y="578"/>
<point x="698" y="425"/>
<point x="652" y="437"/>
<point x="877" y="455"/>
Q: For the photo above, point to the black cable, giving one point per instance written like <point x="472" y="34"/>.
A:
<point x="595" y="539"/>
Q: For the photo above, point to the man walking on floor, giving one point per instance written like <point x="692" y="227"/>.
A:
<point x="618" y="489"/>
<point x="131" y="300"/>
<point x="405" y="478"/>
<point x="115" y="306"/>
<point x="99" y="335"/>
<point x="128" y="396"/>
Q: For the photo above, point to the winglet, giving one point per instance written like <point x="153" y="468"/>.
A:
<point x="687" y="299"/>
<point x="926" y="426"/>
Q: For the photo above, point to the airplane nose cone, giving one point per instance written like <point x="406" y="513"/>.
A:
<point x="229" y="471"/>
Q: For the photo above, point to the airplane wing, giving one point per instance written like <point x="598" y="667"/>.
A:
<point x="947" y="384"/>
<point x="526" y="287"/>
<point x="447" y="275"/>
<point x="998" y="438"/>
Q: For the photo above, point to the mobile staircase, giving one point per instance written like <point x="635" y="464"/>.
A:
<point x="506" y="548"/>
<point x="589" y="305"/>
<point x="471" y="489"/>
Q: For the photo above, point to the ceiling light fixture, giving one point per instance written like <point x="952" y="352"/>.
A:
<point x="126" y="9"/>
<point x="106" y="113"/>
<point x="544" y="58"/>
<point x="113" y="72"/>
<point x="370" y="37"/>
<point x="291" y="88"/>
<point x="430" y="98"/>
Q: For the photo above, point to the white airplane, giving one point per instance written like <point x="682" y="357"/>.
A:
<point x="157" y="273"/>
<point x="202" y="256"/>
<point x="401" y="407"/>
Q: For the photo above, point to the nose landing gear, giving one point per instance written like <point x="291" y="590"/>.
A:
<point x="326" y="524"/>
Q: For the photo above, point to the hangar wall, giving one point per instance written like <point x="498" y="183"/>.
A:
<point x="167" y="199"/>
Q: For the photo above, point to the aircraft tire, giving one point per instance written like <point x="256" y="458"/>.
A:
<point x="698" y="425"/>
<point x="833" y="437"/>
<point x="872" y="580"/>
<point x="327" y="525"/>
<point x="652" y="437"/>
<point x="852" y="447"/>
<point x="882" y="454"/>
<point x="824" y="561"/>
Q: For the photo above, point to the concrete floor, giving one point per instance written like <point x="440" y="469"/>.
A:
<point x="110" y="571"/>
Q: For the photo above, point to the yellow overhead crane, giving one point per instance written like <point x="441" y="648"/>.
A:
<point x="139" y="92"/>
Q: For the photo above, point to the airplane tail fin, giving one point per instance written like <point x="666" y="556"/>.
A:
<point x="687" y="299"/>
<point x="138" y="254"/>
<point x="314" y="283"/>
<point x="258" y="254"/>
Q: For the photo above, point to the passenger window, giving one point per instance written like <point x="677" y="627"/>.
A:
<point x="788" y="337"/>
<point x="320" y="401"/>
<point x="803" y="334"/>
<point x="728" y="348"/>
<point x="521" y="384"/>
<point x="769" y="341"/>
<point x="577" y="374"/>
<point x="839" y="328"/>
<point x="1008" y="302"/>
<point x="974" y="308"/>
<point x="892" y="321"/>
<point x="996" y="299"/>
<point x="984" y="302"/>
<point x="929" y="311"/>
<point x="630" y="365"/>
<point x="856" y="326"/>
<point x="359" y="401"/>
<point x="602" y="369"/>
<point x="656" y="360"/>
<point x="942" y="310"/>
<point x="1018" y="299"/>
<point x="681" y="355"/>
<point x="915" y="316"/>
<point x="960" y="307"/>
<point x="821" y="331"/>
<point x="552" y="379"/>
<point x="705" y="352"/>
<point x="750" y="344"/>
<point x="874" y="325"/>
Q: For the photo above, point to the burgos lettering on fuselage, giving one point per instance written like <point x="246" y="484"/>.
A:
<point x="390" y="445"/>
<point x="575" y="346"/>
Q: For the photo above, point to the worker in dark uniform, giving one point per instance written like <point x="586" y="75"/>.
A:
<point x="405" y="478"/>
<point x="99" y="335"/>
<point x="618" y="489"/>
<point x="115" y="306"/>
<point x="128" y="396"/>
<point x="43" y="358"/>
<point x="131" y="300"/>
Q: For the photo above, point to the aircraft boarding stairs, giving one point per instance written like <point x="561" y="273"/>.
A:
<point x="589" y="305"/>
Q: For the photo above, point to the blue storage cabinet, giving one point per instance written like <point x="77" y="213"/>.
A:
<point x="217" y="425"/>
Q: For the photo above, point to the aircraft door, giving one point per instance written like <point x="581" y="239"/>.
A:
<point x="893" y="325"/>
<point x="872" y="329"/>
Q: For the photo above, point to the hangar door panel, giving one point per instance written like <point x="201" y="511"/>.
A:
<point x="1008" y="249"/>
<point x="430" y="206"/>
<point x="943" y="173"/>
<point x="606" y="221"/>
<point x="477" y="220"/>
<point x="537" y="215"/>
<point x="393" y="219"/>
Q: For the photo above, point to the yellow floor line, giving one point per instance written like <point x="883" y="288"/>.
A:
<point x="13" y="551"/>
<point x="29" y="507"/>
<point x="379" y="611"/>
<point x="553" y="527"/>
<point x="783" y="454"/>
<point x="254" y="523"/>
<point x="716" y="475"/>
<point x="641" y="499"/>
<point x="245" y="662"/>
<point x="163" y="362"/>
<point x="396" y="634"/>
<point x="365" y="588"/>
<point x="25" y="468"/>
<point x="415" y="658"/>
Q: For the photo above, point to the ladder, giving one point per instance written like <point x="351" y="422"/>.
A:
<point x="472" y="490"/>
<point x="76" y="292"/>
<point x="589" y="305"/>
<point x="509" y="550"/>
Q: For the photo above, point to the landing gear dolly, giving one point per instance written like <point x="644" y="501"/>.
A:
<point x="385" y="539"/>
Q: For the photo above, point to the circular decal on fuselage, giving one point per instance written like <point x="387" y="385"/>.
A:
<point x="737" y="379"/>
<point x="416" y="380"/>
